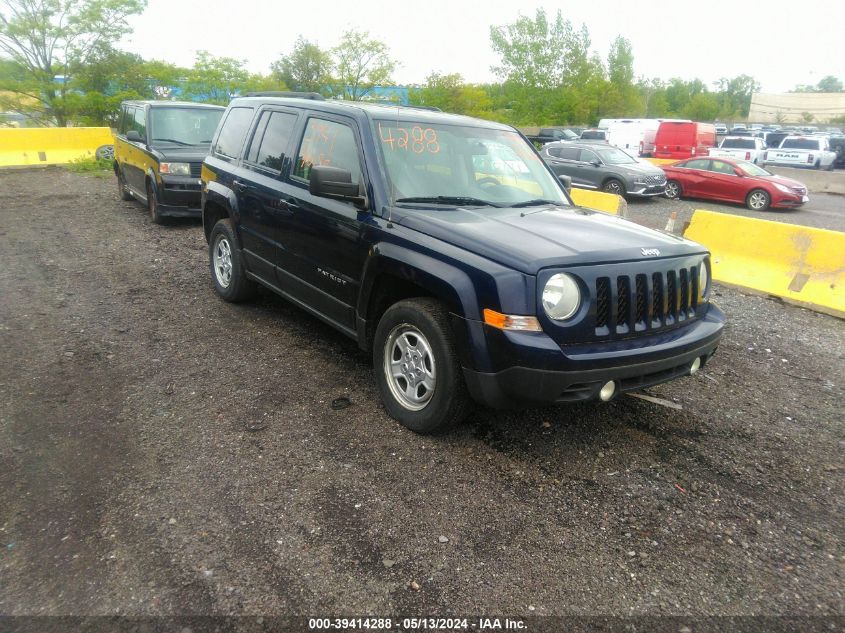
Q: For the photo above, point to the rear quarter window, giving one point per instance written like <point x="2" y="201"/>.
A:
<point x="232" y="132"/>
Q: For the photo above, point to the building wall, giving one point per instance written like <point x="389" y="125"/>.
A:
<point x="824" y="106"/>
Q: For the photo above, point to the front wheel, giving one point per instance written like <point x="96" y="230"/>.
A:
<point x="152" y="206"/>
<point x="614" y="186"/>
<point x="673" y="189"/>
<point x="758" y="200"/>
<point x="417" y="368"/>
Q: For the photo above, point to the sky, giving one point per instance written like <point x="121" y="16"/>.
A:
<point x="669" y="38"/>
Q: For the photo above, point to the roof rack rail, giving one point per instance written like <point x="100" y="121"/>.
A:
<point x="423" y="107"/>
<point x="314" y="96"/>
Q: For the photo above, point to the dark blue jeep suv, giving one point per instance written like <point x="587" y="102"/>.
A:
<point x="447" y="247"/>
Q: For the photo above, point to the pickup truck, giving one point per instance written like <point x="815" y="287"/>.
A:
<point x="550" y="135"/>
<point x="742" y="148"/>
<point x="802" y="151"/>
<point x="448" y="250"/>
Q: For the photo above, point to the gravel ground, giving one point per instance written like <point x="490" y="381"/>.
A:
<point x="163" y="452"/>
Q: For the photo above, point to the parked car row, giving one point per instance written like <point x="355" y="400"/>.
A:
<point x="442" y="245"/>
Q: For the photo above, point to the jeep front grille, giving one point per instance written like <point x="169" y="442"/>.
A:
<point x="196" y="169"/>
<point x="655" y="180"/>
<point x="640" y="302"/>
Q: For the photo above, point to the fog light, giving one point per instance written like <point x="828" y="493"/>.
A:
<point x="696" y="365"/>
<point x="607" y="391"/>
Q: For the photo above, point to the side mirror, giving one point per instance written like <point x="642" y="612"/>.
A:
<point x="132" y="135"/>
<point x="739" y="172"/>
<point x="333" y="182"/>
<point x="595" y="163"/>
<point x="566" y="181"/>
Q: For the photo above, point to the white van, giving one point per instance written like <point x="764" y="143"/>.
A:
<point x="633" y="136"/>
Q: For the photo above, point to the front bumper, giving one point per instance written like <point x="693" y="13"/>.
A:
<point x="547" y="373"/>
<point x="180" y="196"/>
<point x="645" y="191"/>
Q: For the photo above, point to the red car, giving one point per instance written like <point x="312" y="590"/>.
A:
<point x="730" y="180"/>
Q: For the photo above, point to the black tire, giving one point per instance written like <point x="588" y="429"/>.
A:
<point x="758" y="200"/>
<point x="238" y="287"/>
<point x="152" y="206"/>
<point x="122" y="191"/>
<point x="612" y="185"/>
<point x="673" y="189"/>
<point x="818" y="164"/>
<point x="447" y="402"/>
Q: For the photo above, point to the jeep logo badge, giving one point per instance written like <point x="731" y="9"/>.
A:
<point x="650" y="252"/>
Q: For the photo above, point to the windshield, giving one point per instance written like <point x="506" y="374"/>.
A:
<point x="751" y="169"/>
<point x="445" y="164"/>
<point x="184" y="126"/>
<point x="800" y="143"/>
<point x="738" y="143"/>
<point x="613" y="156"/>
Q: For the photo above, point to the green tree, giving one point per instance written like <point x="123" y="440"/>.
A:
<point x="736" y="94"/>
<point x="51" y="38"/>
<point x="622" y="98"/>
<point x="361" y="64"/>
<point x="451" y="94"/>
<point x="830" y="84"/>
<point x="218" y="79"/>
<point x="532" y="50"/>
<point x="306" y="68"/>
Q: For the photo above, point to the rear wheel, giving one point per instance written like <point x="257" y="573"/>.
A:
<point x="614" y="186"/>
<point x="417" y="368"/>
<point x="673" y="189"/>
<point x="122" y="191"/>
<point x="758" y="200"/>
<point x="227" y="269"/>
<point x="818" y="165"/>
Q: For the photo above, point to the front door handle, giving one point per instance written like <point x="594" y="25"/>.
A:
<point x="239" y="186"/>
<point x="290" y="204"/>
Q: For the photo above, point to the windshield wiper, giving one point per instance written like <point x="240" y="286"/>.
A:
<point x="456" y="200"/>
<point x="537" y="202"/>
<point x="171" y="140"/>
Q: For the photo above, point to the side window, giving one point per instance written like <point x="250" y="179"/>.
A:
<point x="274" y="144"/>
<point x="235" y="127"/>
<point x="569" y="153"/>
<point x="327" y="143"/>
<point x="699" y="163"/>
<point x="255" y="143"/>
<point x="140" y="124"/>
<point x="721" y="167"/>
<point x="588" y="156"/>
<point x="554" y="151"/>
<point x="121" y="127"/>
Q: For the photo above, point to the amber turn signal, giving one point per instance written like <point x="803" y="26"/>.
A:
<point x="511" y="322"/>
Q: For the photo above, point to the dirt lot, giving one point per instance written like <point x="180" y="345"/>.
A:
<point x="163" y="452"/>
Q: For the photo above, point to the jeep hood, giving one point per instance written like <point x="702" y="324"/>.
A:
<point x="534" y="238"/>
<point x="646" y="169"/>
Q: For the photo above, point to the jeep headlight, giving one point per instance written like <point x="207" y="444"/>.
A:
<point x="561" y="297"/>
<point x="176" y="169"/>
<point x="703" y="279"/>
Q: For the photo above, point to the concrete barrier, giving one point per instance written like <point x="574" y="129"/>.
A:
<point x="800" y="264"/>
<point x="50" y="145"/>
<point x="600" y="201"/>
<point x="662" y="161"/>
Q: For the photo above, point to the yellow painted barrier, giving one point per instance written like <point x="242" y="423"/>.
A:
<point x="800" y="264"/>
<point x="662" y="161"/>
<point x="50" y="145"/>
<point x="598" y="200"/>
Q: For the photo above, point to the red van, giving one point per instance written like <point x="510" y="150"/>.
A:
<point x="684" y="139"/>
